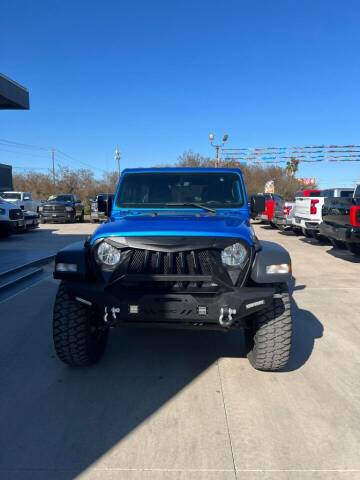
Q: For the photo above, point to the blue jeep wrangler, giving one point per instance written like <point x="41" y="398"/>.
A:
<point x="177" y="251"/>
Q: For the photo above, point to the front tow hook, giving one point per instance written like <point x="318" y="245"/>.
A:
<point x="226" y="316"/>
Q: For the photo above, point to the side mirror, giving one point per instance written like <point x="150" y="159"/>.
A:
<point x="109" y="205"/>
<point x="257" y="205"/>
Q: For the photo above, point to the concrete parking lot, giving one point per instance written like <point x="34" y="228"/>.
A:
<point x="179" y="405"/>
<point x="41" y="242"/>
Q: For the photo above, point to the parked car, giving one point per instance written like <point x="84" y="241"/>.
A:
<point x="283" y="216"/>
<point x="271" y="199"/>
<point x="63" y="208"/>
<point x="31" y="220"/>
<point x="22" y="200"/>
<point x="341" y="221"/>
<point x="101" y="207"/>
<point x="308" y="209"/>
<point x="11" y="218"/>
<point x="178" y="251"/>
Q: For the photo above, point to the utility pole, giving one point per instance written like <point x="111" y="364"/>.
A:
<point x="217" y="147"/>
<point x="117" y="158"/>
<point x="53" y="164"/>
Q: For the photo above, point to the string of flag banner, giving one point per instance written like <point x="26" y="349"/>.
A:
<point x="306" y="154"/>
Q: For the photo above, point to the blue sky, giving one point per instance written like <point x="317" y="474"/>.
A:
<point x="154" y="77"/>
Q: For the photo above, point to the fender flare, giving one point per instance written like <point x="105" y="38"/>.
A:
<point x="271" y="253"/>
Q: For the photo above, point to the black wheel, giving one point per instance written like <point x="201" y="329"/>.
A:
<point x="81" y="218"/>
<point x="297" y="230"/>
<point x="306" y="233"/>
<point x="42" y="220"/>
<point x="354" y="248"/>
<point x="337" y="243"/>
<point x="269" y="334"/>
<point x="273" y="225"/>
<point x="79" y="336"/>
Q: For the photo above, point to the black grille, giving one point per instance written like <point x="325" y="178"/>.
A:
<point x="16" y="214"/>
<point x="148" y="262"/>
<point x="194" y="262"/>
<point x="54" y="209"/>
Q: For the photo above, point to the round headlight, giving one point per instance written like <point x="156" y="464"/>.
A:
<point x="234" y="255"/>
<point x="108" y="254"/>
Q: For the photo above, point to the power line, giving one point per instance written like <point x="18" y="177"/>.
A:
<point x="37" y="155"/>
<point x="50" y="150"/>
<point x="29" y="168"/>
<point x="18" y="144"/>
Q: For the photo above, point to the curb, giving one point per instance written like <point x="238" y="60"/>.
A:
<point x="34" y="263"/>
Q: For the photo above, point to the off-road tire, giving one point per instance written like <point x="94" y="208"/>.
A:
<point x="269" y="333"/>
<point x="337" y="243"/>
<point x="79" y="337"/>
<point x="354" y="248"/>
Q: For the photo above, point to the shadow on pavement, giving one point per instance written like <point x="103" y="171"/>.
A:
<point x="306" y="329"/>
<point x="314" y="242"/>
<point x="344" y="255"/>
<point x="267" y="227"/>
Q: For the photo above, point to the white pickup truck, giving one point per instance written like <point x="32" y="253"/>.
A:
<point x="22" y="200"/>
<point x="11" y="219"/>
<point x="308" y="209"/>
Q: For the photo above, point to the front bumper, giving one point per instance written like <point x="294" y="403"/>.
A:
<point x="31" y="222"/>
<point x="99" y="216"/>
<point x="118" y="305"/>
<point x="11" y="225"/>
<point x="343" y="234"/>
<point x="58" y="217"/>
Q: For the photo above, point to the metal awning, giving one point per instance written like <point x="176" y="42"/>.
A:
<point x="12" y="95"/>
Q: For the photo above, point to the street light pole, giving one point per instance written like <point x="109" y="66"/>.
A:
<point x="217" y="146"/>
<point x="53" y="164"/>
<point x="117" y="158"/>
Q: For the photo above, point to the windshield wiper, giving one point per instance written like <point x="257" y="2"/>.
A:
<point x="190" y="204"/>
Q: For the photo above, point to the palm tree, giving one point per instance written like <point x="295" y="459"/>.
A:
<point x="292" y="166"/>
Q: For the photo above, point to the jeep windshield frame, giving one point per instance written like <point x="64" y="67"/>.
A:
<point x="156" y="190"/>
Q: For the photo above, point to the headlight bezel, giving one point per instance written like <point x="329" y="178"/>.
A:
<point x="229" y="252"/>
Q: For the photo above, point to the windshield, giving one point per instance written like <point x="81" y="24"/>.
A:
<point x="157" y="190"/>
<point x="11" y="196"/>
<point x="61" y="198"/>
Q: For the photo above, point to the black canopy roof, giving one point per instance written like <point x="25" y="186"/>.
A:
<point x="12" y="95"/>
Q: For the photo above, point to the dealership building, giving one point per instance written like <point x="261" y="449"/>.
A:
<point x="12" y="97"/>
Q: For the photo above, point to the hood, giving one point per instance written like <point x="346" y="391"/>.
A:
<point x="6" y="205"/>
<point x="12" y="201"/>
<point x="56" y="202"/>
<point x="183" y="224"/>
